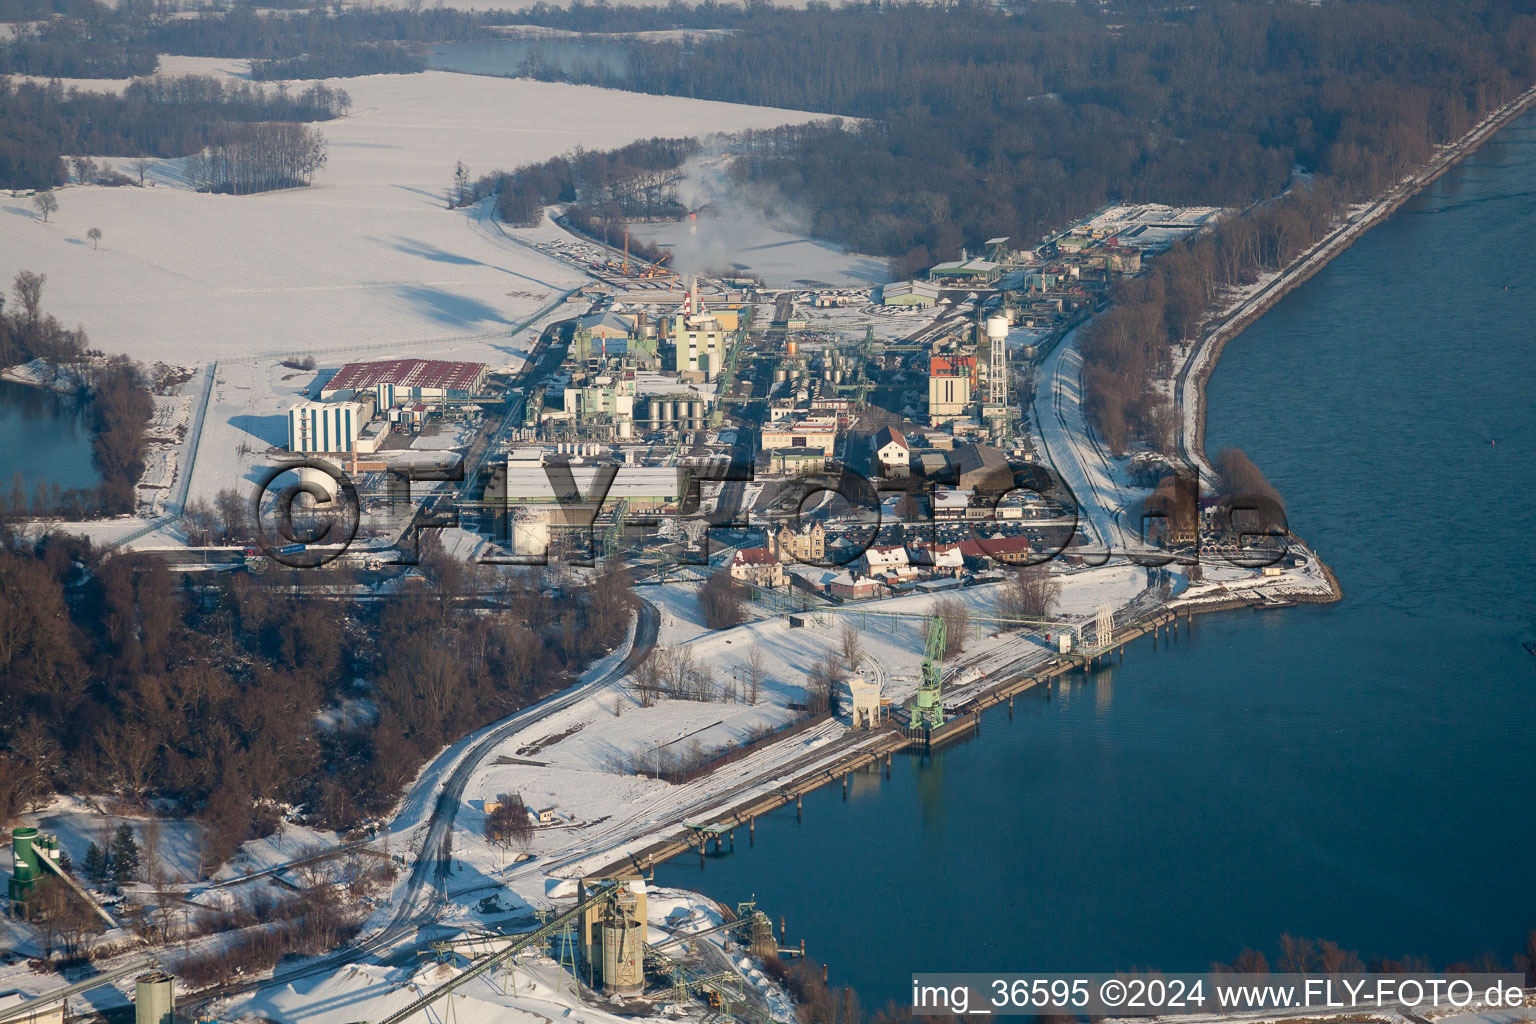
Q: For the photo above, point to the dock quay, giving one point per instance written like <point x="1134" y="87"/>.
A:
<point x="874" y="749"/>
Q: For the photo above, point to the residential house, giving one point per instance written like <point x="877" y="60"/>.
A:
<point x="807" y="545"/>
<point x="892" y="453"/>
<point x="757" y="567"/>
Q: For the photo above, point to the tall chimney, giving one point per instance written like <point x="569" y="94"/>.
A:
<point x="693" y="295"/>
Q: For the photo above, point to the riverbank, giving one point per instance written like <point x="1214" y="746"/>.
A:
<point x="1191" y="380"/>
<point x="40" y="373"/>
<point x="861" y="752"/>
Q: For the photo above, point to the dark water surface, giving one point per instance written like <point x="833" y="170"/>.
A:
<point x="44" y="437"/>
<point x="1363" y="772"/>
<point x="511" y="57"/>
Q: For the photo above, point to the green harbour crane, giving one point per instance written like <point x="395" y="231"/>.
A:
<point x="928" y="704"/>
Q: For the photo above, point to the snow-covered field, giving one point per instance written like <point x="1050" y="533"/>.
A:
<point x="368" y="257"/>
<point x="367" y="262"/>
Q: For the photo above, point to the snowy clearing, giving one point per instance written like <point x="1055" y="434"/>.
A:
<point x="368" y="257"/>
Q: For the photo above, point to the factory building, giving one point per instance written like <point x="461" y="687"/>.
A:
<point x="12" y="1002"/>
<point x="813" y="433"/>
<point x="605" y="396"/>
<point x="949" y="386"/>
<point x="700" y="339"/>
<point x="410" y="380"/>
<point x="642" y="488"/>
<point x="329" y="427"/>
<point x="921" y="294"/>
<point x="701" y="345"/>
<point x="965" y="271"/>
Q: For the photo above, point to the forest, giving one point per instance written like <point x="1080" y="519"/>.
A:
<point x="258" y="158"/>
<point x="154" y="117"/>
<point x="985" y="123"/>
<point x="117" y="679"/>
<point x="603" y="190"/>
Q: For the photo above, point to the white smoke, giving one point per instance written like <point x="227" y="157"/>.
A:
<point x="731" y="217"/>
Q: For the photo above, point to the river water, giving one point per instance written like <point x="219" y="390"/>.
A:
<point x="1363" y="772"/>
<point x="511" y="56"/>
<point x="43" y="437"/>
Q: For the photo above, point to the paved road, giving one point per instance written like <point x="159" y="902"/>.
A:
<point x="430" y="868"/>
<point x="1062" y="425"/>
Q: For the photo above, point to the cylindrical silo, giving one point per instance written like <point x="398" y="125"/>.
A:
<point x="154" y="999"/>
<point x="316" y="481"/>
<point x="529" y="532"/>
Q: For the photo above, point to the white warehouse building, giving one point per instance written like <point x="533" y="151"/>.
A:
<point x="325" y="426"/>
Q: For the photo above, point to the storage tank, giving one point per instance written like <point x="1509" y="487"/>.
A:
<point x="626" y="429"/>
<point x="24" y="846"/>
<point x="997" y="328"/>
<point x="154" y="999"/>
<point x="623" y="960"/>
<point x="666" y="410"/>
<point x="529" y="532"/>
<point x="317" y="481"/>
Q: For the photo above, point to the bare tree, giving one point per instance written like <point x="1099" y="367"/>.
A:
<point x="957" y="619"/>
<point x="130" y="755"/>
<point x="150" y="835"/>
<point x="1029" y="595"/>
<point x="461" y="192"/>
<point x="141" y="167"/>
<point x="723" y="601"/>
<point x="45" y="203"/>
<point x="649" y="676"/>
<point x="229" y="506"/>
<point x="509" y="823"/>
<point x="1296" y="954"/>
<point x="821" y="683"/>
<point x="755" y="672"/>
<point x="29" y="292"/>
<point x="95" y="236"/>
<point x="852" y="650"/>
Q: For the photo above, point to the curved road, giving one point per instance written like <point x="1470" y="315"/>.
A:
<point x="431" y="868"/>
<point x="430" y="865"/>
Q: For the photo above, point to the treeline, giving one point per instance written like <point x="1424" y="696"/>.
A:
<point x="41" y="10"/>
<point x="1130" y="346"/>
<point x="154" y="117"/>
<point x="604" y="189"/>
<point x="341" y="62"/>
<point x="259" y="158"/>
<point x="128" y="683"/>
<point x="28" y="333"/>
<point x="59" y="52"/>
<point x="95" y="41"/>
<point x="121" y="408"/>
<point x="244" y="32"/>
<point x="603" y="17"/>
<point x="985" y="122"/>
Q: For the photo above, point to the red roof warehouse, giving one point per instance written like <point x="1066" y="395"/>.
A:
<point x="422" y="378"/>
